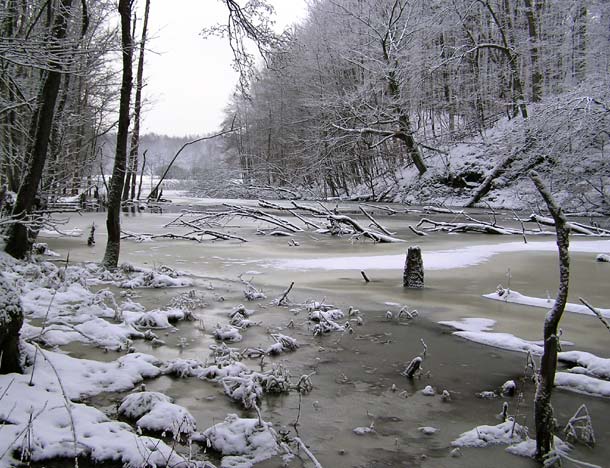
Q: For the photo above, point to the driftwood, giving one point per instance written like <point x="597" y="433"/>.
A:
<point x="388" y="210"/>
<point x="259" y="215"/>
<point x="485" y="228"/>
<point x="362" y="231"/>
<point x="337" y="220"/>
<point x="578" y="228"/>
<point x="191" y="236"/>
<point x="374" y="221"/>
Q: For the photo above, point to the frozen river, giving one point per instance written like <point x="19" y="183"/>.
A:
<point x="355" y="373"/>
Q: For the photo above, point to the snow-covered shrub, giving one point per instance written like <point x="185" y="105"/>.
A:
<point x="188" y="300"/>
<point x="227" y="333"/>
<point x="282" y="343"/>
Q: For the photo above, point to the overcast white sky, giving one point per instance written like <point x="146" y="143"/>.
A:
<point x="190" y="79"/>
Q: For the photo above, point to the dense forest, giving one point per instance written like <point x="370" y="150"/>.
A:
<point x="364" y="89"/>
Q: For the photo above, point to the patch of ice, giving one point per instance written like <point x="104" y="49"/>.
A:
<point x="582" y="384"/>
<point x="518" y="298"/>
<point x="435" y="260"/>
<point x="470" y="324"/>
<point x="590" y="364"/>
<point x="502" y="341"/>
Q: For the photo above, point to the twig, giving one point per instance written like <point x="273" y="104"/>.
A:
<point x="596" y="312"/>
<point x="315" y="462"/>
<point x="282" y="298"/>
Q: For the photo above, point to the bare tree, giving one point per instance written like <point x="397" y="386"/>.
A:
<point x="113" y="220"/>
<point x="132" y="164"/>
<point x="18" y="243"/>
<point x="548" y="363"/>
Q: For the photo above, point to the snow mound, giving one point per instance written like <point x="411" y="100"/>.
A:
<point x="58" y="427"/>
<point x="586" y="363"/>
<point x="241" y="441"/>
<point x="514" y="297"/>
<point x="509" y="432"/>
<point x="155" y="412"/>
<point x="582" y="384"/>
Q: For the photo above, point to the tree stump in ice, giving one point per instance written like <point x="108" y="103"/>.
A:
<point x="413" y="276"/>
<point x="11" y="319"/>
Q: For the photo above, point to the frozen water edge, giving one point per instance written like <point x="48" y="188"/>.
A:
<point x="436" y="260"/>
<point x="588" y="376"/>
<point x="515" y="297"/>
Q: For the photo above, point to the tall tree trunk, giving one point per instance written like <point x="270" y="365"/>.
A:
<point x="405" y="133"/>
<point x="536" y="73"/>
<point x="135" y="134"/>
<point x="543" y="411"/>
<point x="18" y="243"/>
<point x="113" y="220"/>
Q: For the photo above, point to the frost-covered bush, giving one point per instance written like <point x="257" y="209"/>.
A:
<point x="227" y="333"/>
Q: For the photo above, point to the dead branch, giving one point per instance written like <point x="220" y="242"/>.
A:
<point x="360" y="230"/>
<point x="311" y="209"/>
<point x="280" y="300"/>
<point x="579" y="228"/>
<point x="253" y="213"/>
<point x="465" y="227"/>
<point x="169" y="166"/>
<point x="417" y="231"/>
<point x="374" y="221"/>
<point x="390" y="211"/>
<point x="596" y="312"/>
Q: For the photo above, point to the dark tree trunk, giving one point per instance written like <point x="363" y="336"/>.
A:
<point x="18" y="243"/>
<point x="113" y="220"/>
<point x="543" y="411"/>
<point x="536" y="74"/>
<point x="132" y="169"/>
<point x="11" y="319"/>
